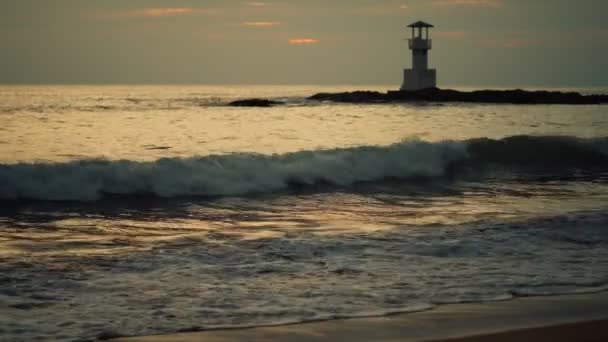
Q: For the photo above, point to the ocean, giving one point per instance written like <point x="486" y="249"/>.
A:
<point x="131" y="210"/>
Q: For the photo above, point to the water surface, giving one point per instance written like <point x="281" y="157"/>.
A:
<point x="149" y="209"/>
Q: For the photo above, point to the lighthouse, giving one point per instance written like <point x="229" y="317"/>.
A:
<point x="419" y="76"/>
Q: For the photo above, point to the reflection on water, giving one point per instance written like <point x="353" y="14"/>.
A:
<point x="122" y="225"/>
<point x="342" y="233"/>
<point x="147" y="123"/>
<point x="135" y="269"/>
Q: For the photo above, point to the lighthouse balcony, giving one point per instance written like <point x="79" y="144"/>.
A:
<point x="421" y="44"/>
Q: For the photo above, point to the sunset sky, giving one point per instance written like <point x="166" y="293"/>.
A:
<point x="476" y="42"/>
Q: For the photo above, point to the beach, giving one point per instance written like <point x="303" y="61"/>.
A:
<point x="570" y="318"/>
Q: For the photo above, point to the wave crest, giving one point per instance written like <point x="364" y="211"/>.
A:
<point x="224" y="175"/>
<point x="236" y="174"/>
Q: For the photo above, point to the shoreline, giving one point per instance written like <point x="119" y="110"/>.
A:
<point x="578" y="316"/>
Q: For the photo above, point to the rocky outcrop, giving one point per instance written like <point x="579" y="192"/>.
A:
<point x="516" y="96"/>
<point x="254" y="103"/>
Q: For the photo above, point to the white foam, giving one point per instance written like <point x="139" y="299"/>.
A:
<point x="225" y="175"/>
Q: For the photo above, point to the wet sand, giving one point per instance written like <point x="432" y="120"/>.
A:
<point x="594" y="331"/>
<point x="555" y="318"/>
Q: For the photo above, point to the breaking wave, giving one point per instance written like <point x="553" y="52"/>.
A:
<point x="236" y="174"/>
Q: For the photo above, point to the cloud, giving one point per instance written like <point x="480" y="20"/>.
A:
<point x="160" y="12"/>
<point x="261" y="23"/>
<point x="258" y="4"/>
<point x="163" y="12"/>
<point x="469" y="3"/>
<point x="303" y="41"/>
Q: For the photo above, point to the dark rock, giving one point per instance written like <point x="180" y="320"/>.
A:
<point x="353" y="97"/>
<point x="516" y="96"/>
<point x="254" y="103"/>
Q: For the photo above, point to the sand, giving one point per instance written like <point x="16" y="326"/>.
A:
<point x="554" y="318"/>
<point x="595" y="331"/>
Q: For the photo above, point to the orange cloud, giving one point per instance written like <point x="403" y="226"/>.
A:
<point x="258" y="4"/>
<point x="471" y="3"/>
<point x="159" y="12"/>
<point x="261" y="23"/>
<point x="163" y="12"/>
<point x="303" y="41"/>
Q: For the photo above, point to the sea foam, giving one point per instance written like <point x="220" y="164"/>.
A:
<point x="237" y="174"/>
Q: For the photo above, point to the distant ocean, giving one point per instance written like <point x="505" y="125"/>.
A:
<point x="150" y="209"/>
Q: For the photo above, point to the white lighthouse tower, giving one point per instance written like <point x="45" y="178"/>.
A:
<point x="419" y="76"/>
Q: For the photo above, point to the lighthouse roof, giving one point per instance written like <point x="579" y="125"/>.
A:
<point x="420" y="23"/>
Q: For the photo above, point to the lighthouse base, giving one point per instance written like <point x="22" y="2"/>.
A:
<point x="419" y="79"/>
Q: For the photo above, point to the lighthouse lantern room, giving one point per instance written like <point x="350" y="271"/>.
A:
<point x="419" y="76"/>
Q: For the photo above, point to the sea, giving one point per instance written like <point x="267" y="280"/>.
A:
<point x="136" y="210"/>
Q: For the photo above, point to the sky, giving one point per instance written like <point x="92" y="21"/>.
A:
<point x="475" y="42"/>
